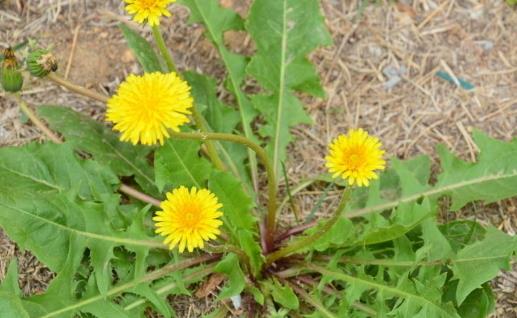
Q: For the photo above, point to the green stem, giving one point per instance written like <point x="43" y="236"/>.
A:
<point x="304" y="242"/>
<point x="36" y="120"/>
<point x="210" y="147"/>
<point x="132" y="192"/>
<point x="160" y="42"/>
<point x="76" y="88"/>
<point x="261" y="154"/>
<point x="198" y="118"/>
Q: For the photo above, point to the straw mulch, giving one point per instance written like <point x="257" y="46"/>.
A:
<point x="380" y="74"/>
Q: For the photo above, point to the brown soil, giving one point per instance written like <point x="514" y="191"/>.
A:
<point x="473" y="40"/>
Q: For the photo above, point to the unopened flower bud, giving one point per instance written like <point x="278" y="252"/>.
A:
<point x="41" y="62"/>
<point x="10" y="76"/>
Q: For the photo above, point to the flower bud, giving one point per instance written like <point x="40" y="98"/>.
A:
<point x="10" y="77"/>
<point x="41" y="62"/>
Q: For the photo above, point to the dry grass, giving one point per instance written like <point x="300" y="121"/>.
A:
<point x="473" y="40"/>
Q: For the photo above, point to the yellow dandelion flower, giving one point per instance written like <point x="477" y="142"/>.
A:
<point x="144" y="107"/>
<point x="148" y="10"/>
<point x="189" y="218"/>
<point x="355" y="157"/>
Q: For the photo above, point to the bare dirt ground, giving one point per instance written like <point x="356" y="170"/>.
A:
<point x="380" y="74"/>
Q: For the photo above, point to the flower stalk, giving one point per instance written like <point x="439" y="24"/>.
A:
<point x="76" y="88"/>
<point x="160" y="43"/>
<point x="36" y="120"/>
<point x="308" y="241"/>
<point x="262" y="155"/>
<point x="198" y="118"/>
<point x="132" y="192"/>
<point x="210" y="147"/>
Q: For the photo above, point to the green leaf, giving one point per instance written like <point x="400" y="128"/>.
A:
<point x="460" y="233"/>
<point x="54" y="220"/>
<point x="285" y="32"/>
<point x="237" y="215"/>
<point x="10" y="282"/>
<point x="493" y="177"/>
<point x="160" y="303"/>
<point x="236" y="281"/>
<point x="10" y="302"/>
<point x="60" y="300"/>
<point x="419" y="303"/>
<point x="11" y="306"/>
<point x="143" y="51"/>
<point x="436" y="245"/>
<point x="405" y="218"/>
<point x="57" y="183"/>
<point x="340" y="233"/>
<point x="85" y="134"/>
<point x="178" y="162"/>
<point x="51" y="169"/>
<point x="479" y="262"/>
<point x="283" y="295"/>
<point x="479" y="304"/>
<point x="217" y="21"/>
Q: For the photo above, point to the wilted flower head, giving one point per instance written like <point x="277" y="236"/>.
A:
<point x="189" y="218"/>
<point x="148" y="11"/>
<point x="355" y="157"/>
<point x="144" y="107"/>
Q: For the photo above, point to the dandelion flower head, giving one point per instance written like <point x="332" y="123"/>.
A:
<point x="189" y="218"/>
<point x="145" y="107"/>
<point x="355" y="157"/>
<point x="148" y="10"/>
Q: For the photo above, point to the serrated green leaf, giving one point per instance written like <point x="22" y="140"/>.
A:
<point x="460" y="233"/>
<point x="54" y="220"/>
<point x="11" y="306"/>
<point x="10" y="301"/>
<point x="50" y="169"/>
<point x="237" y="215"/>
<point x="479" y="262"/>
<point x="236" y="281"/>
<point x="143" y="51"/>
<point x="160" y="303"/>
<point x="10" y="281"/>
<point x="340" y="233"/>
<point x="424" y="306"/>
<point x="178" y="162"/>
<point x="479" y="304"/>
<point x="404" y="218"/>
<point x="493" y="177"/>
<point x="285" y="32"/>
<point x="56" y="212"/>
<point x="237" y="205"/>
<point x="85" y="134"/>
<point x="435" y="243"/>
<point x="60" y="300"/>
<point x="283" y="295"/>
<point x="217" y="21"/>
<point x="278" y="122"/>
